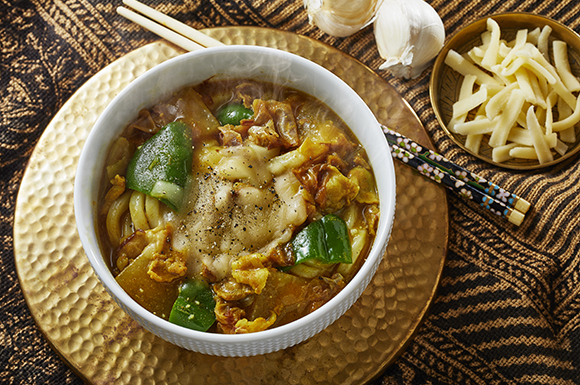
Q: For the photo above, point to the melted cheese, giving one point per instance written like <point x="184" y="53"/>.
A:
<point x="236" y="207"/>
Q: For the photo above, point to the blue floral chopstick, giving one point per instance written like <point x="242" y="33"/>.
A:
<point x="466" y="184"/>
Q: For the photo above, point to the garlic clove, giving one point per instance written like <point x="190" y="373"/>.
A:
<point x="341" y="18"/>
<point x="409" y="34"/>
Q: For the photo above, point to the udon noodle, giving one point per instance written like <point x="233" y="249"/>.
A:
<point x="266" y="212"/>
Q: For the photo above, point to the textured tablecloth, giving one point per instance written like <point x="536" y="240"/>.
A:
<point x="507" y="310"/>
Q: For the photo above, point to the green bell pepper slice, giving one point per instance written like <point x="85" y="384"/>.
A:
<point x="326" y="241"/>
<point x="233" y="113"/>
<point x="160" y="166"/>
<point x="336" y="238"/>
<point x="194" y="307"/>
<point x="310" y="244"/>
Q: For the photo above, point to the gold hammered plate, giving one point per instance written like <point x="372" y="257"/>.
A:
<point x="103" y="344"/>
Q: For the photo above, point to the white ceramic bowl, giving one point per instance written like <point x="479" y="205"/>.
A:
<point x="234" y="61"/>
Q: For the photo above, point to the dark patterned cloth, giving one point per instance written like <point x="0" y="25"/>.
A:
<point x="507" y="310"/>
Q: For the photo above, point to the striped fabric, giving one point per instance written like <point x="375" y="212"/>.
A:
<point x="508" y="307"/>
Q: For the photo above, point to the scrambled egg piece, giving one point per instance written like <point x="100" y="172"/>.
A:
<point x="259" y="324"/>
<point x="339" y="191"/>
<point x="249" y="269"/>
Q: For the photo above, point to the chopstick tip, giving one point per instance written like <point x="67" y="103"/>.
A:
<point x="522" y="205"/>
<point x="516" y="217"/>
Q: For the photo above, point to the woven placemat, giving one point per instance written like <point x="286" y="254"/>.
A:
<point x="507" y="307"/>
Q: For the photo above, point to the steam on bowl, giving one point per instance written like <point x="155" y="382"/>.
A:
<point x="233" y="62"/>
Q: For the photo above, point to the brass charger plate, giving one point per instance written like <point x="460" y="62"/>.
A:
<point x="445" y="83"/>
<point x="102" y="344"/>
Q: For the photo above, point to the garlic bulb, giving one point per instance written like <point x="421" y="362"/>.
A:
<point x="409" y="34"/>
<point x="341" y="17"/>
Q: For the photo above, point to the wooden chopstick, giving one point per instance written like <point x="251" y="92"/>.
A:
<point x="454" y="177"/>
<point x="159" y="30"/>
<point x="167" y="27"/>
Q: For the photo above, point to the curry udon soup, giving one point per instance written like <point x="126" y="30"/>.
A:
<point x="236" y="206"/>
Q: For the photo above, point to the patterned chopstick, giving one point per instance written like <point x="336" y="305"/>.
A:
<point x="510" y="199"/>
<point x="457" y="179"/>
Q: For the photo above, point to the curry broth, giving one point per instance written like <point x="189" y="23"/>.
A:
<point x="252" y="188"/>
